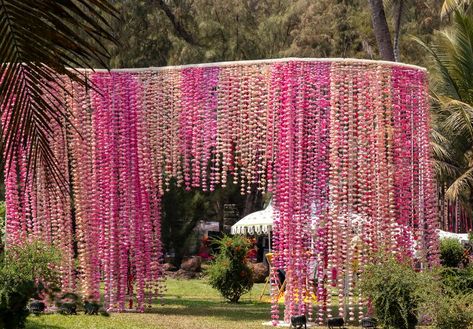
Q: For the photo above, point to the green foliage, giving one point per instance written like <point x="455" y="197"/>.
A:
<point x="451" y="252"/>
<point x="229" y="273"/>
<point x="26" y="271"/>
<point x="447" y="298"/>
<point x="182" y="210"/>
<point x="451" y="311"/>
<point x="186" y="31"/>
<point x="452" y="107"/>
<point x="393" y="288"/>
<point x="142" y="33"/>
<point x="444" y="296"/>
<point x="457" y="280"/>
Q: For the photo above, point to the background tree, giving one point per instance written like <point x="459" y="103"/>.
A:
<point x="182" y="210"/>
<point x="452" y="107"/>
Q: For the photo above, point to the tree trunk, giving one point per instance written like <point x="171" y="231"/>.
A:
<point x="397" y="28"/>
<point x="381" y="30"/>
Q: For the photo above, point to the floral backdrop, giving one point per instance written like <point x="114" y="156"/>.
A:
<point x="343" y="146"/>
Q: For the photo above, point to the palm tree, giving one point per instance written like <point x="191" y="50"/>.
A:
<point x="452" y="100"/>
<point x="40" y="40"/>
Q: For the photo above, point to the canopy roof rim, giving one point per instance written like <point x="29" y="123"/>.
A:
<point x="259" y="61"/>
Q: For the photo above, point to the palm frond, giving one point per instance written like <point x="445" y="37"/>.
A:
<point x="445" y="171"/>
<point x="439" y="145"/>
<point x="449" y="84"/>
<point x="461" y="53"/>
<point x="459" y="122"/>
<point x="452" y="103"/>
<point x="41" y="41"/>
<point x="460" y="185"/>
<point x="450" y="6"/>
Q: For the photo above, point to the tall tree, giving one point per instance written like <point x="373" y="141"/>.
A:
<point x="381" y="30"/>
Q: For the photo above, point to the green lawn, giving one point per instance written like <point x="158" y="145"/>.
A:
<point x="187" y="304"/>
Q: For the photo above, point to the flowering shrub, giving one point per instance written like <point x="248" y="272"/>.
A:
<point x="229" y="273"/>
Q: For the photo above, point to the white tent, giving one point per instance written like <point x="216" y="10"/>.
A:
<point x="462" y="237"/>
<point x="259" y="222"/>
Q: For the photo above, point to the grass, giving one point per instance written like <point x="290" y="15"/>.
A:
<point x="186" y="304"/>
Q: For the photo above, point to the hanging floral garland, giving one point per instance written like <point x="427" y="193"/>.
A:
<point x="342" y="144"/>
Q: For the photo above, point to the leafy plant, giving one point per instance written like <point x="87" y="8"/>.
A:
<point x="450" y="311"/>
<point x="393" y="288"/>
<point x="451" y="252"/>
<point x="446" y="298"/>
<point x="229" y="273"/>
<point x="457" y="280"/>
<point x="26" y="271"/>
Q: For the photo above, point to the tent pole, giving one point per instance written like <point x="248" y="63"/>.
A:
<point x="269" y="240"/>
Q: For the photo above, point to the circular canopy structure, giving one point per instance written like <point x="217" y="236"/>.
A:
<point x="327" y="137"/>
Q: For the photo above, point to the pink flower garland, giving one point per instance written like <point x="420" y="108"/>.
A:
<point x="343" y="146"/>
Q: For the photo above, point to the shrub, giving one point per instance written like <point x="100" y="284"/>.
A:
<point x="229" y="273"/>
<point x="445" y="301"/>
<point x="26" y="272"/>
<point x="451" y="252"/>
<point x="457" y="280"/>
<point x="393" y="287"/>
<point x="451" y="311"/>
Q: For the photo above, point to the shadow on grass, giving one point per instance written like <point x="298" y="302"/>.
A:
<point x="257" y="311"/>
<point x="197" y="307"/>
<point x="35" y="325"/>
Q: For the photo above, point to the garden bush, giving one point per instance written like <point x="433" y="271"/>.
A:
<point x="26" y="272"/>
<point x="451" y="252"/>
<point x="229" y="273"/>
<point x="393" y="288"/>
<point x="457" y="280"/>
<point x="449" y="311"/>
